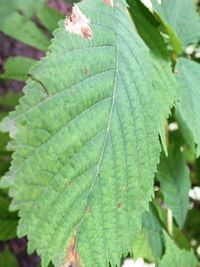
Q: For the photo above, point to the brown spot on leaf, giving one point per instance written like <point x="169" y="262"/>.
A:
<point x="73" y="258"/>
<point x="78" y="23"/>
<point x="69" y="183"/>
<point x="88" y="209"/>
<point x="109" y="2"/>
<point x="86" y="71"/>
<point x="120" y="205"/>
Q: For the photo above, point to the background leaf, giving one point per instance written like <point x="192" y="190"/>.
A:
<point x="49" y="17"/>
<point x="175" y="257"/>
<point x="152" y="228"/>
<point x="182" y="17"/>
<point x="188" y="73"/>
<point x="173" y="175"/>
<point x="8" y="221"/>
<point x="24" y="30"/>
<point x="16" y="68"/>
<point x="7" y="259"/>
<point x="141" y="248"/>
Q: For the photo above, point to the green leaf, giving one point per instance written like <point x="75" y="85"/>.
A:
<point x="23" y="29"/>
<point x="49" y="17"/>
<point x="188" y="73"/>
<point x="185" y="134"/>
<point x="165" y="90"/>
<point x="182" y="17"/>
<point x="8" y="221"/>
<point x="173" y="175"/>
<point x="7" y="259"/>
<point x="27" y="8"/>
<point x="16" y="68"/>
<point x="153" y="230"/>
<point x="178" y="235"/>
<point x="9" y="100"/>
<point x="141" y="248"/>
<point x="7" y="103"/>
<point x="176" y="257"/>
<point x="86" y="138"/>
<point x="192" y="224"/>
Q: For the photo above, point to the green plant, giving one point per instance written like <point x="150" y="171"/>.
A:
<point x="89" y="131"/>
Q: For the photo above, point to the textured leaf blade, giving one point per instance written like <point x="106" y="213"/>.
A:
<point x="173" y="174"/>
<point x="86" y="141"/>
<point x="188" y="73"/>
<point x="165" y="90"/>
<point x="175" y="257"/>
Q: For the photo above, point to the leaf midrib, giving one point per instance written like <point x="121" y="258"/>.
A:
<point x="106" y="136"/>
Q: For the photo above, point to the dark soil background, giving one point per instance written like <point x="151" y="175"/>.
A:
<point x="10" y="47"/>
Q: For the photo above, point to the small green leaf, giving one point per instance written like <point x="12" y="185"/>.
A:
<point x="23" y="29"/>
<point x="9" y="100"/>
<point x="180" y="16"/>
<point x="8" y="220"/>
<point x="153" y="230"/>
<point x="7" y="259"/>
<point x="173" y="174"/>
<point x="49" y="17"/>
<point x="192" y="224"/>
<point x="29" y="7"/>
<point x="188" y="93"/>
<point x="166" y="28"/>
<point x="16" y="68"/>
<point x="141" y="248"/>
<point x="178" y="236"/>
<point x="176" y="257"/>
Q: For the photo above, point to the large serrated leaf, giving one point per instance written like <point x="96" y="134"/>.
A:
<point x="188" y="73"/>
<point x="86" y="142"/>
<point x="165" y="90"/>
<point x="173" y="174"/>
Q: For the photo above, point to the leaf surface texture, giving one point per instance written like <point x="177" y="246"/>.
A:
<point x="86" y="142"/>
